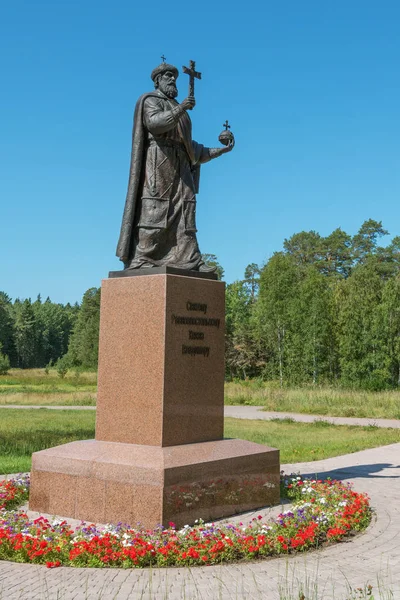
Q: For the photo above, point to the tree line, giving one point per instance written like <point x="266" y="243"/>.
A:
<point x="42" y="334"/>
<point x="323" y="310"/>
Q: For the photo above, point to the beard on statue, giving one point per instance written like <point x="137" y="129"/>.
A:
<point x="169" y="89"/>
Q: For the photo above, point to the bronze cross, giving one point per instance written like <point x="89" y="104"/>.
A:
<point x="192" y="74"/>
<point x="226" y="125"/>
<point x="163" y="58"/>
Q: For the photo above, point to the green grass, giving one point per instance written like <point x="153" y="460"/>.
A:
<point x="316" y="400"/>
<point x="34" y="386"/>
<point x="56" y="399"/>
<point x="303" y="442"/>
<point x="39" y="377"/>
<point x="25" y="431"/>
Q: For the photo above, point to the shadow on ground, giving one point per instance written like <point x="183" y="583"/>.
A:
<point x="362" y="471"/>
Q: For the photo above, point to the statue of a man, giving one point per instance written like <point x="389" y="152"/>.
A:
<point x="159" y="224"/>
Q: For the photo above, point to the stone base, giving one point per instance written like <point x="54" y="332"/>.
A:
<point x="110" y="482"/>
<point x="161" y="360"/>
<point x="162" y="271"/>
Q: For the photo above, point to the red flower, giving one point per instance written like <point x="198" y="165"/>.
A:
<point x="52" y="565"/>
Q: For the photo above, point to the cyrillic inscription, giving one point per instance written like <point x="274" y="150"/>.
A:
<point x="193" y="350"/>
<point x="196" y="335"/>
<point x="199" y="321"/>
<point x="196" y="322"/>
<point x="196" y="306"/>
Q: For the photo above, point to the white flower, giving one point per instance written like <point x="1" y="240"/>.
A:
<point x="322" y="500"/>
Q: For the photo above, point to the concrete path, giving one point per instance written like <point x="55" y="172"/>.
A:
<point x="373" y="557"/>
<point x="255" y="412"/>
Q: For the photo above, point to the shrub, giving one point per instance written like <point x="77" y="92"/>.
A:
<point x="4" y="363"/>
<point x="62" y="367"/>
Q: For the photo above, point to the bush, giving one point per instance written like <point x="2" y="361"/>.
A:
<point x="62" y="367"/>
<point x="4" y="364"/>
<point x="48" y="367"/>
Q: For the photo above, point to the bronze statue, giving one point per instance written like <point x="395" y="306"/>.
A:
<point x="159" y="224"/>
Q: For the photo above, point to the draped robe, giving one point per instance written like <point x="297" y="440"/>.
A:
<point x="159" y="221"/>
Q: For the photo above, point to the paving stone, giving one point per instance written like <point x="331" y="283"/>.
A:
<point x="368" y="558"/>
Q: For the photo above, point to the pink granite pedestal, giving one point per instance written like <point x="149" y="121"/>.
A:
<point x="159" y="453"/>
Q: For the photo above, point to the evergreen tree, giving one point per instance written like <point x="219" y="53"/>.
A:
<point x="54" y="324"/>
<point x="84" y="342"/>
<point x="336" y="254"/>
<point x="252" y="280"/>
<point x="365" y="242"/>
<point x="305" y="247"/>
<point x="7" y="326"/>
<point x="25" y="334"/>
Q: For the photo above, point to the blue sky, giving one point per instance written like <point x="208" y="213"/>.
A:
<point x="311" y="89"/>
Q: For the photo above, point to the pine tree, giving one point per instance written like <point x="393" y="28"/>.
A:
<point x="25" y="334"/>
<point x="7" y="326"/>
<point x="84" y="342"/>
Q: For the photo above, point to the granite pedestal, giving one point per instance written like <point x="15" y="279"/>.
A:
<point x="159" y="453"/>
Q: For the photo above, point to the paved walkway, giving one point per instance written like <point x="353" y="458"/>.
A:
<point x="257" y="412"/>
<point x="254" y="412"/>
<point x="370" y="558"/>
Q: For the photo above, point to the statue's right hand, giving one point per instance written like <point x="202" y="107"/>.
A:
<point x="188" y="103"/>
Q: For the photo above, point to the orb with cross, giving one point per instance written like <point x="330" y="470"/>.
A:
<point x="226" y="136"/>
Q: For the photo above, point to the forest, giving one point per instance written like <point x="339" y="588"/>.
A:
<point x="324" y="310"/>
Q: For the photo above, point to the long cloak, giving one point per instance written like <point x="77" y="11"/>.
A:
<point x="139" y="138"/>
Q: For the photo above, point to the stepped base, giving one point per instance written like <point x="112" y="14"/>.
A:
<point x="110" y="482"/>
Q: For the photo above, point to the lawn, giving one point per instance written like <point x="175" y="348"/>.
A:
<point x="303" y="442"/>
<point x="315" y="400"/>
<point x="35" y="386"/>
<point x="25" y="431"/>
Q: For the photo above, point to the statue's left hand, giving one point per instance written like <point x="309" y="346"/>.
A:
<point x="215" y="152"/>
<point x="231" y="144"/>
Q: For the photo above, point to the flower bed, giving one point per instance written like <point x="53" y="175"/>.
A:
<point x="321" y="513"/>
